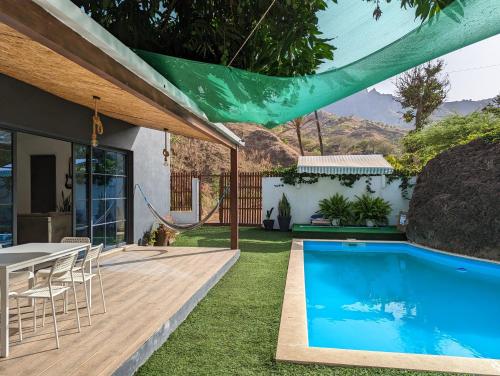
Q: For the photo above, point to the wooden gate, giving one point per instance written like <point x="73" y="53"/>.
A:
<point x="250" y="198"/>
<point x="250" y="195"/>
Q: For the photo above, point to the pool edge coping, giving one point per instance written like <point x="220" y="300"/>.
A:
<point x="293" y="340"/>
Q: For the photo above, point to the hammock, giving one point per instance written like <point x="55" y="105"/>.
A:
<point x="177" y="227"/>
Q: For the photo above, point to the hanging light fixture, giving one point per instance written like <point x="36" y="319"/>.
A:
<point x="166" y="154"/>
<point x="97" y="127"/>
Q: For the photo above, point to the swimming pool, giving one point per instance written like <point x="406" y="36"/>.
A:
<point x="396" y="297"/>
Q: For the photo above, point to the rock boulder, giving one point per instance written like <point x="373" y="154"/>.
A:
<point x="456" y="202"/>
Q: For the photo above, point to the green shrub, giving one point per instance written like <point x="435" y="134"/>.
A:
<point x="419" y="147"/>
<point x="375" y="209"/>
<point x="336" y="206"/>
<point x="284" y="209"/>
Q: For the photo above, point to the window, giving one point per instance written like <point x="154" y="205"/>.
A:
<point x="6" y="198"/>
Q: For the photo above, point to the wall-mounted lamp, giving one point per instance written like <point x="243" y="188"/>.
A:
<point x="166" y="153"/>
<point x="97" y="127"/>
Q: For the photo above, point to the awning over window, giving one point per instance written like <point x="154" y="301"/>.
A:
<point x="372" y="164"/>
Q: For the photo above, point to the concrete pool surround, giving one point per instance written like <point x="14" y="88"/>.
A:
<point x="293" y="337"/>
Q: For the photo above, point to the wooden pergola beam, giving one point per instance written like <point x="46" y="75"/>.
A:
<point x="234" y="187"/>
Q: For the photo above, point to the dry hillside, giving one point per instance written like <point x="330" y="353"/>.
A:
<point x="278" y="147"/>
<point x="262" y="150"/>
<point x="344" y="135"/>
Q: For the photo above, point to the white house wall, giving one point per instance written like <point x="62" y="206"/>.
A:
<point x="304" y="198"/>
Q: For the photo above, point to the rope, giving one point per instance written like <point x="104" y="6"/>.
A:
<point x="251" y="33"/>
<point x="176" y="227"/>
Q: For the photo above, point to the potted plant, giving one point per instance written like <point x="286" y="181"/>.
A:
<point x="148" y="238"/>
<point x="268" y="222"/>
<point x="284" y="216"/>
<point x="336" y="208"/>
<point x="164" y="236"/>
<point x="371" y="211"/>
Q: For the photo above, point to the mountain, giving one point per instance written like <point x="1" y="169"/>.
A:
<point x="372" y="105"/>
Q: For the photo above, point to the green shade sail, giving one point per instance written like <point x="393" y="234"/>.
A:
<point x="368" y="52"/>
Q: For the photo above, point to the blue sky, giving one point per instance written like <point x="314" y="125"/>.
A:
<point x="474" y="71"/>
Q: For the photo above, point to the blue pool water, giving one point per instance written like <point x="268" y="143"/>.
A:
<point x="400" y="298"/>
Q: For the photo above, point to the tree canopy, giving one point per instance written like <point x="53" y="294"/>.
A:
<point x="287" y="43"/>
<point x="420" y="147"/>
<point x="421" y="91"/>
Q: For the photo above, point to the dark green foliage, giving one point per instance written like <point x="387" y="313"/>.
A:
<point x="213" y="30"/>
<point x="287" y="43"/>
<point x="268" y="213"/>
<point x="420" y="147"/>
<point x="371" y="208"/>
<point x="336" y="206"/>
<point x="284" y="209"/>
<point x="423" y="8"/>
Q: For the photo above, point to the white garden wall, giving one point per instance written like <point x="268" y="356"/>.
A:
<point x="304" y="198"/>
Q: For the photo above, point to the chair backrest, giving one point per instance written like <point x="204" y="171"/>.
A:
<point x="63" y="265"/>
<point x="93" y="253"/>
<point x="75" y="239"/>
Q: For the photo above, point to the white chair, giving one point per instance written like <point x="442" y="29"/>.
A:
<point x="47" y="290"/>
<point x="15" y="277"/>
<point x="81" y="276"/>
<point x="44" y="273"/>
<point x="76" y="239"/>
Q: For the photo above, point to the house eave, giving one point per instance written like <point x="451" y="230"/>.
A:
<point x="70" y="40"/>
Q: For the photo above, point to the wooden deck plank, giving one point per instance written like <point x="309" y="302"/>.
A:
<point x="144" y="288"/>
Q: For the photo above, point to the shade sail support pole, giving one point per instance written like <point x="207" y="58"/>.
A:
<point x="234" y="185"/>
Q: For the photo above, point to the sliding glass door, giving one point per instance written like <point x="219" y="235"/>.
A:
<point x="6" y="189"/>
<point x="109" y="196"/>
<point x="81" y="190"/>
<point x="101" y="175"/>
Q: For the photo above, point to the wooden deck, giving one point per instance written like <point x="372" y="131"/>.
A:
<point x="149" y="292"/>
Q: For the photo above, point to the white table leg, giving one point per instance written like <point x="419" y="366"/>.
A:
<point x="4" y="313"/>
<point x="31" y="283"/>
<point x="90" y="285"/>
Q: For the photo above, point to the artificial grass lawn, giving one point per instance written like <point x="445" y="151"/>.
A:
<point x="234" y="330"/>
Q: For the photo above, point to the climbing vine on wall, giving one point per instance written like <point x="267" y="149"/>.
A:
<point x="290" y="176"/>
<point x="404" y="185"/>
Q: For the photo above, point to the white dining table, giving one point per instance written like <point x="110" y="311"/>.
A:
<point x="21" y="257"/>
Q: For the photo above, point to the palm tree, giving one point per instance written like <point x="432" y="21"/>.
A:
<point x="320" y="136"/>
<point x="297" y="123"/>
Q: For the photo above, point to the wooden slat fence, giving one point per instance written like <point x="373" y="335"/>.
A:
<point x="250" y="195"/>
<point x="250" y="198"/>
<point x="181" y="193"/>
